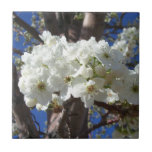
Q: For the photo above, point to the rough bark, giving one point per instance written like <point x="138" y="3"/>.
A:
<point x="74" y="30"/>
<point x="76" y="116"/>
<point x="93" y="25"/>
<point x="63" y="23"/>
<point x="21" y="112"/>
<point x="72" y="27"/>
<point x="132" y="110"/>
<point x="53" y="119"/>
<point x="69" y="123"/>
<point x="51" y="22"/>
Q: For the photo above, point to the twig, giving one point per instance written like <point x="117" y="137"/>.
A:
<point x="36" y="121"/>
<point x="40" y="132"/>
<point x="17" y="51"/>
<point x="121" y="18"/>
<point x="103" y="122"/>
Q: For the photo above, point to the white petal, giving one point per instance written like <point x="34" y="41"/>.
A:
<point x="30" y="102"/>
<point x="38" y="106"/>
<point x="88" y="100"/>
<point x="100" y="96"/>
<point x="78" y="87"/>
<point x="65" y="93"/>
<point x="99" y="82"/>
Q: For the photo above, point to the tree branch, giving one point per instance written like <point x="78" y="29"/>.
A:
<point x="72" y="27"/>
<point x="93" y="25"/>
<point x="77" y="117"/>
<point x="51" y="22"/>
<point x="121" y="18"/>
<point x="132" y="110"/>
<point x="69" y="123"/>
<point x="103" y="122"/>
<point x="27" y="27"/>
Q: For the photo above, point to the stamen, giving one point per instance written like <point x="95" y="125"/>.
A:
<point x="90" y="88"/>
<point x="41" y="86"/>
<point x="67" y="79"/>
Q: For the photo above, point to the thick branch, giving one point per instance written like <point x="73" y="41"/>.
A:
<point x="51" y="22"/>
<point x="63" y="23"/>
<point x="72" y="27"/>
<point x="27" y="27"/>
<point x="53" y="120"/>
<point x="77" y="117"/>
<point x="73" y="32"/>
<point x="132" y="110"/>
<point x="93" y="25"/>
<point x="69" y="123"/>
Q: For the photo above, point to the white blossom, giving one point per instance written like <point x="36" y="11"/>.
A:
<point x="137" y="68"/>
<point x="84" y="70"/>
<point x="30" y="102"/>
<point x="87" y="90"/>
<point x="111" y="96"/>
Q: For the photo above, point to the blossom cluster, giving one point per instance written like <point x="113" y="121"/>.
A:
<point x="126" y="42"/>
<point x="90" y="70"/>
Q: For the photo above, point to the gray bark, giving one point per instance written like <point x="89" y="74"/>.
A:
<point x="93" y="25"/>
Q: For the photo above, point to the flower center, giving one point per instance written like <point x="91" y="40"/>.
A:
<point x="121" y="49"/>
<point x="106" y="55"/>
<point x="128" y="54"/>
<point x="90" y="88"/>
<point x="67" y="79"/>
<point x="44" y="65"/>
<point x="41" y="86"/>
<point x="109" y="94"/>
